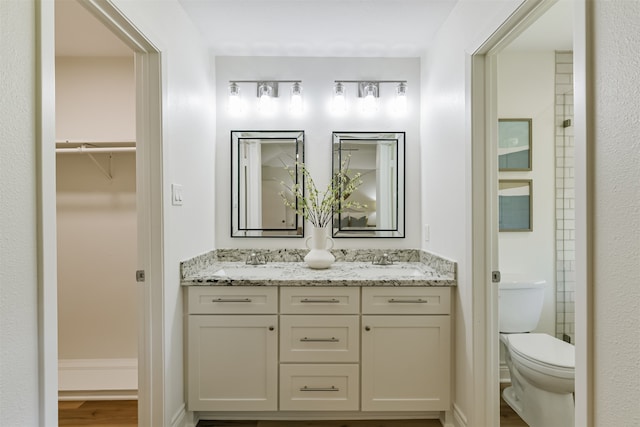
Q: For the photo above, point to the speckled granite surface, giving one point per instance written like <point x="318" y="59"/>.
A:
<point x="286" y="267"/>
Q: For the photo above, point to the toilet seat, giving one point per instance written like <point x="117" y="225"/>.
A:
<point x="544" y="353"/>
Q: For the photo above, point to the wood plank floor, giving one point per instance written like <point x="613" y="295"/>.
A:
<point x="124" y="413"/>
<point x="98" y="413"/>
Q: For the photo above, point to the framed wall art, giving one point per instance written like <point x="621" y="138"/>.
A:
<point x="515" y="204"/>
<point x="514" y="144"/>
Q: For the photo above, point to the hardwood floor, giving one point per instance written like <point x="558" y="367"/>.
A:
<point x="508" y="417"/>
<point x="98" y="413"/>
<point x="124" y="413"/>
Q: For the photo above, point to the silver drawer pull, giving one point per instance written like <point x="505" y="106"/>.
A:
<point x="232" y="300"/>
<point x="408" y="301"/>
<point x="332" y="388"/>
<point x="328" y="301"/>
<point x="332" y="339"/>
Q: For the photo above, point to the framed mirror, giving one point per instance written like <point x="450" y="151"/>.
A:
<point x="259" y="162"/>
<point x="379" y="158"/>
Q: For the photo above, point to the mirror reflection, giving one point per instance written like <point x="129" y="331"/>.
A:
<point x="379" y="158"/>
<point x="258" y="166"/>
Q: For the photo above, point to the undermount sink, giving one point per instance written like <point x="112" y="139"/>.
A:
<point x="258" y="271"/>
<point x="371" y="272"/>
<point x="292" y="270"/>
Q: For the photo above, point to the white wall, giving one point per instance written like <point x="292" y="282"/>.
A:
<point x="95" y="99"/>
<point x="97" y="233"/>
<point x="526" y="82"/>
<point x="318" y="122"/>
<point x="616" y="214"/>
<point x="446" y="169"/>
<point x="19" y="370"/>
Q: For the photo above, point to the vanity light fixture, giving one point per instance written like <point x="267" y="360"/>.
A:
<point x="369" y="91"/>
<point x="266" y="91"/>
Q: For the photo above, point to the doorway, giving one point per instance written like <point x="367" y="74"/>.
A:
<point x="148" y="195"/>
<point x="96" y="209"/>
<point x="510" y="49"/>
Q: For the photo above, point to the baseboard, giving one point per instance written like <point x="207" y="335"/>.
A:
<point x="459" y="418"/>
<point x="117" y="377"/>
<point x="98" y="395"/>
<point x="179" y="418"/>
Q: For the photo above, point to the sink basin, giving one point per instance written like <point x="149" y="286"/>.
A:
<point x="296" y="271"/>
<point x="389" y="271"/>
<point x="253" y="271"/>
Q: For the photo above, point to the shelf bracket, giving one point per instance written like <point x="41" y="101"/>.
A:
<point x="106" y="173"/>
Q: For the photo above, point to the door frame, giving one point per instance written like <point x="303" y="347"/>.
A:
<point x="484" y="120"/>
<point x="148" y="77"/>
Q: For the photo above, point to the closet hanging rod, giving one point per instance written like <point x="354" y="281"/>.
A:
<point x="84" y="149"/>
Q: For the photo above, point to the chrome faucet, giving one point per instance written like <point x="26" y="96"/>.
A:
<point x="255" y="259"/>
<point x="383" y="259"/>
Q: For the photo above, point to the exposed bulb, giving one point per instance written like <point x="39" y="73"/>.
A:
<point x="235" y="101"/>
<point x="296" y="99"/>
<point x="369" y="103"/>
<point x="265" y="99"/>
<point x="401" y="98"/>
<point x="339" y="98"/>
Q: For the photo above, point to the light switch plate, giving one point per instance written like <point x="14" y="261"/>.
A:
<point x="176" y="194"/>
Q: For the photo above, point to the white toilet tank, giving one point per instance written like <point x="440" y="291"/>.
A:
<point x="520" y="303"/>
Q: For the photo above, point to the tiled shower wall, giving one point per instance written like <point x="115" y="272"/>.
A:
<point x="565" y="198"/>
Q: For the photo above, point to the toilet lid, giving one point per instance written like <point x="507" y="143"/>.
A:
<point x="544" y="348"/>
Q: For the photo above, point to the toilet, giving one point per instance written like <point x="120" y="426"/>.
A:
<point x="541" y="366"/>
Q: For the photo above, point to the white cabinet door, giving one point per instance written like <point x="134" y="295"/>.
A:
<point x="233" y="363"/>
<point x="406" y="363"/>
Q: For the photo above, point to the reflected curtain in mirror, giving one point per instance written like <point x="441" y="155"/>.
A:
<point x="379" y="157"/>
<point x="259" y="162"/>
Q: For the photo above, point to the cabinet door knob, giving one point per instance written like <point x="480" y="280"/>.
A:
<point x="272" y="328"/>
<point x="367" y="328"/>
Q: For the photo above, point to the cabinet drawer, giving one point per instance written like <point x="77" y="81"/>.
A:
<point x="406" y="300"/>
<point x="319" y="338"/>
<point x="233" y="300"/>
<point x="319" y="387"/>
<point x="321" y="300"/>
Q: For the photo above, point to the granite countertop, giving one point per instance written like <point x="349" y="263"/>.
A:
<point x="295" y="273"/>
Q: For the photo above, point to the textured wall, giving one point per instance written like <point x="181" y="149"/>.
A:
<point x="616" y="193"/>
<point x="18" y="252"/>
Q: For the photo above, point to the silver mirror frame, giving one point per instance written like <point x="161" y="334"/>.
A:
<point x="395" y="230"/>
<point x="239" y="227"/>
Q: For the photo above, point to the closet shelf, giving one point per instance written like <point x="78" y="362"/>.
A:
<point x="95" y="147"/>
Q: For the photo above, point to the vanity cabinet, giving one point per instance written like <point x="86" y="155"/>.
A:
<point x="406" y="349"/>
<point x="232" y="359"/>
<point x="350" y="349"/>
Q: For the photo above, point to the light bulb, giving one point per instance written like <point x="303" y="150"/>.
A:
<point x="339" y="98"/>
<point x="296" y="98"/>
<point x="235" y="101"/>
<point x="264" y="99"/>
<point x="369" y="103"/>
<point x="401" y="98"/>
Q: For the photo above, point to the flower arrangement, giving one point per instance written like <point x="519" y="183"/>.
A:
<point x="319" y="207"/>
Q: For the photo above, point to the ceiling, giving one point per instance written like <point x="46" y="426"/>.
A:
<point x="325" y="28"/>
<point x="344" y="28"/>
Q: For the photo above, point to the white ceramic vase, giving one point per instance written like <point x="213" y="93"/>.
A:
<point x="319" y="256"/>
